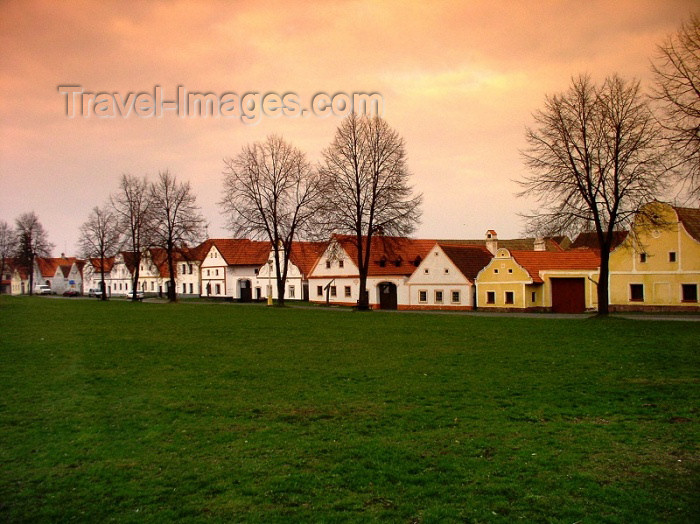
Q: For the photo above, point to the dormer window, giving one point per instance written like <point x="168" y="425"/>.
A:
<point x="382" y="262"/>
<point x="397" y="262"/>
<point x="417" y="261"/>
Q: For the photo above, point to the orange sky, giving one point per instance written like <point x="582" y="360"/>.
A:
<point x="460" y="81"/>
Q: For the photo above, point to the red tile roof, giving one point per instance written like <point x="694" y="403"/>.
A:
<point x="304" y="255"/>
<point x="690" y="218"/>
<point x="468" y="259"/>
<point x="536" y="261"/>
<point x="96" y="264"/>
<point x="389" y="255"/>
<point x="523" y="244"/>
<point x="48" y="266"/>
<point x="13" y="264"/>
<point x="242" y="251"/>
<point x="589" y="239"/>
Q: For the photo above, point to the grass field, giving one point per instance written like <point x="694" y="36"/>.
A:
<point x="156" y="413"/>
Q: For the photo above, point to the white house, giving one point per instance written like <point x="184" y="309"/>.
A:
<point x="335" y="277"/>
<point x="302" y="259"/>
<point x="60" y="274"/>
<point x="230" y="265"/>
<point x="445" y="279"/>
<point x="92" y="274"/>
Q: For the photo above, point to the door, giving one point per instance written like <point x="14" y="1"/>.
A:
<point x="568" y="295"/>
<point x="387" y="296"/>
<point x="246" y="291"/>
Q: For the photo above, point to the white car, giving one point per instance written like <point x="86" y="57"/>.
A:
<point x="130" y="294"/>
<point x="42" y="289"/>
<point x="94" y="292"/>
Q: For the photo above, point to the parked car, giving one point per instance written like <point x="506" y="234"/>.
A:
<point x="130" y="294"/>
<point x="42" y="289"/>
<point x="71" y="293"/>
<point x="94" y="292"/>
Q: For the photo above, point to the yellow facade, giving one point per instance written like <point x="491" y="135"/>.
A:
<point x="505" y="284"/>
<point x="656" y="266"/>
<point x="502" y="279"/>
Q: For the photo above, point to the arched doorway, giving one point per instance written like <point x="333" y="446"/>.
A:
<point x="387" y="295"/>
<point x="245" y="290"/>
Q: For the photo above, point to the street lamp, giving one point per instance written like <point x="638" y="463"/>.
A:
<point x="269" y="282"/>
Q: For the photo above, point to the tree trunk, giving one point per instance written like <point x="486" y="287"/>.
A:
<point x="172" y="295"/>
<point x="135" y="281"/>
<point x="30" y="270"/>
<point x="102" y="281"/>
<point x="604" y="283"/>
<point x="363" y="300"/>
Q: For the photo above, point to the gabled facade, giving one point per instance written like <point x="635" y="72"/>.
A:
<point x="14" y="279"/>
<point x="230" y="266"/>
<point x="564" y="282"/>
<point x="335" y="277"/>
<point x="445" y="278"/>
<point x="657" y="267"/>
<point x="92" y="274"/>
<point x="302" y="259"/>
<point x="60" y="274"/>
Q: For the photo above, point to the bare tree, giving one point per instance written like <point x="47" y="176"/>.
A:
<point x="100" y="237"/>
<point x="32" y="241"/>
<point x="595" y="158"/>
<point x="677" y="74"/>
<point x="366" y="191"/>
<point x="133" y="210"/>
<point x="8" y="244"/>
<point x="176" y="220"/>
<point x="271" y="191"/>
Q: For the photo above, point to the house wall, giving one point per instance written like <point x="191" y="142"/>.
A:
<point x="437" y="273"/>
<point x="502" y="275"/>
<point x="662" y="279"/>
<point x="268" y="274"/>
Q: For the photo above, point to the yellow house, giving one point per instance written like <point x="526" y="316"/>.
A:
<point x="657" y="267"/>
<point x="563" y="282"/>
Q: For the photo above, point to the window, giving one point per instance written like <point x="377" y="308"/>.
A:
<point x="495" y="270"/>
<point x="509" y="297"/>
<point x="217" y="272"/>
<point x="642" y="257"/>
<point x="426" y="271"/>
<point x="341" y="263"/>
<point x="490" y="297"/>
<point x="319" y="291"/>
<point x="438" y="297"/>
<point x="153" y="286"/>
<point x="333" y="291"/>
<point x="191" y="289"/>
<point x="184" y="288"/>
<point x="422" y="296"/>
<point x="637" y="292"/>
<point x="455" y="297"/>
<point x="190" y="269"/>
<point x="257" y="271"/>
<point x="348" y="291"/>
<point x="291" y="291"/>
<point x="447" y="271"/>
<point x="328" y="264"/>
<point x="690" y="292"/>
<point x="671" y="256"/>
<point x="510" y="271"/>
<point x="217" y="289"/>
<point x="534" y="296"/>
<point x="184" y="268"/>
<point x="207" y="272"/>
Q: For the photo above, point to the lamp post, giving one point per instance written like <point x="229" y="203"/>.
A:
<point x="269" y="282"/>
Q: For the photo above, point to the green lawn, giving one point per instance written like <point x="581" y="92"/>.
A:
<point x="194" y="412"/>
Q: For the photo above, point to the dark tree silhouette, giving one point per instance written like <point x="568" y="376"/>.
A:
<point x="32" y="241"/>
<point x="271" y="191"/>
<point x="366" y="190"/>
<point x="176" y="220"/>
<point x="677" y="72"/>
<point x="100" y="237"/>
<point x="596" y="158"/>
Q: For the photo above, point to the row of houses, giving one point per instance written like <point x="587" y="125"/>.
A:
<point x="650" y="268"/>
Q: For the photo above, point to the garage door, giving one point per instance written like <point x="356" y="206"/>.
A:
<point x="568" y="295"/>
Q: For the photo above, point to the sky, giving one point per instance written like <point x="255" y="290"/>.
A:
<point x="459" y="81"/>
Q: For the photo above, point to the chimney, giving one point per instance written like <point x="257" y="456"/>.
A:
<point x="540" y="244"/>
<point x="63" y="255"/>
<point x="492" y="241"/>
